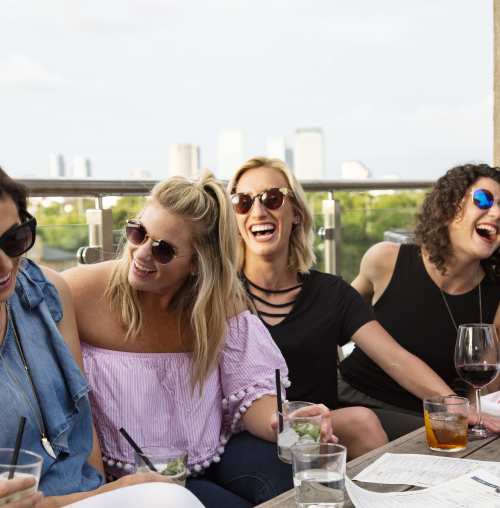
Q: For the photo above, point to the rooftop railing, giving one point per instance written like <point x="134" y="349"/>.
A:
<point x="99" y="220"/>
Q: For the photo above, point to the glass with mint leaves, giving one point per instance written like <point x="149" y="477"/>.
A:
<point x="167" y="461"/>
<point x="298" y="427"/>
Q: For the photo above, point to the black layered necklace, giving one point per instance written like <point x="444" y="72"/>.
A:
<point x="249" y="285"/>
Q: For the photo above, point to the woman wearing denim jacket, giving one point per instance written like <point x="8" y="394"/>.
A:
<point x="40" y="370"/>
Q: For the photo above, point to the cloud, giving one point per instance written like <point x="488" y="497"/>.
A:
<point x="19" y="70"/>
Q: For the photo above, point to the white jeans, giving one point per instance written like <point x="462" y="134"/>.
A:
<point x="150" y="495"/>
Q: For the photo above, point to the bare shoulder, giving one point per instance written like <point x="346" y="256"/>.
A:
<point x="379" y="260"/>
<point x="57" y="280"/>
<point x="88" y="279"/>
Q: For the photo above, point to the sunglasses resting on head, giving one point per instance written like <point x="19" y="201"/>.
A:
<point x="272" y="199"/>
<point x="161" y="251"/>
<point x="19" y="238"/>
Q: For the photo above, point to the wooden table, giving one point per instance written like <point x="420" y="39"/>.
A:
<point x="485" y="449"/>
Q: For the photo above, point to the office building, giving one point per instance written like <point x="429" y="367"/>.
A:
<point x="183" y="160"/>
<point x="57" y="166"/>
<point x="82" y="167"/>
<point x="354" y="170"/>
<point x="231" y="152"/>
<point x="309" y="154"/>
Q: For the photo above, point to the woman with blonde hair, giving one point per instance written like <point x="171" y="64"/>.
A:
<point x="173" y="355"/>
<point x="309" y="313"/>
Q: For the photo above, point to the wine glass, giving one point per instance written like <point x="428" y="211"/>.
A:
<point x="477" y="363"/>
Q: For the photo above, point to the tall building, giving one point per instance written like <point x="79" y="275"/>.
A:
<point x="309" y="154"/>
<point x="277" y="148"/>
<point x="231" y="152"/>
<point x="82" y="167"/>
<point x="354" y="170"/>
<point x="57" y="167"/>
<point x="183" y="160"/>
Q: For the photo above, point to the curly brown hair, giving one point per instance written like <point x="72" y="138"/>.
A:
<point x="14" y="190"/>
<point x="441" y="205"/>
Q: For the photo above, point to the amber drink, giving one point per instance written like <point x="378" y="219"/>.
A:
<point x="446" y="423"/>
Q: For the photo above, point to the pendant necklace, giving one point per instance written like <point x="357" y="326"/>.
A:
<point x="451" y="314"/>
<point x="38" y="413"/>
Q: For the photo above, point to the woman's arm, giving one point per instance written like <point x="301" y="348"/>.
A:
<point x="257" y="419"/>
<point x="413" y="374"/>
<point x="375" y="270"/>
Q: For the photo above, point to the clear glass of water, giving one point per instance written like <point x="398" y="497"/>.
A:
<point x="169" y="462"/>
<point x="319" y="474"/>
<point x="29" y="464"/>
<point x="297" y="427"/>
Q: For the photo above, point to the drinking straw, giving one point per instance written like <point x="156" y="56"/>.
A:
<point x="17" y="447"/>
<point x="138" y="450"/>
<point x="280" y="402"/>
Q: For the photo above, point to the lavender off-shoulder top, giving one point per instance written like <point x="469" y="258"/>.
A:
<point x="150" y="395"/>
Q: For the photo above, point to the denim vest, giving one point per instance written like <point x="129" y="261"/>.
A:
<point x="61" y="388"/>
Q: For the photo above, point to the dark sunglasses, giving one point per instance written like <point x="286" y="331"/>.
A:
<point x="272" y="199"/>
<point x="162" y="251"/>
<point x="20" y="238"/>
<point x="483" y="199"/>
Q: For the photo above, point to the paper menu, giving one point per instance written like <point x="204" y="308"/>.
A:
<point x="421" y="470"/>
<point x="476" y="489"/>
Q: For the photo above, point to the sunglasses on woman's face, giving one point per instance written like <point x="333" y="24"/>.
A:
<point x="20" y="238"/>
<point x="162" y="251"/>
<point x="272" y="199"/>
<point x="483" y="199"/>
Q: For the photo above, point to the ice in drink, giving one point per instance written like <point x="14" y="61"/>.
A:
<point x="446" y="431"/>
<point x="17" y="496"/>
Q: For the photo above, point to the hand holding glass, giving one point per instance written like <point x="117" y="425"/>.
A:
<point x="169" y="462"/>
<point x="477" y="363"/>
<point x="29" y="465"/>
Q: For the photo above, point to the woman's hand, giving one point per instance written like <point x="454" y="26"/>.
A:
<point x="326" y="429"/>
<point x="9" y="488"/>
<point x="489" y="421"/>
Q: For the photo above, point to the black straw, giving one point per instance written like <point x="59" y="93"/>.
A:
<point x="17" y="447"/>
<point x="136" y="447"/>
<point x="280" y="402"/>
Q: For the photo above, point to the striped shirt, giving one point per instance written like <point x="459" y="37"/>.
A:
<point x="150" y="395"/>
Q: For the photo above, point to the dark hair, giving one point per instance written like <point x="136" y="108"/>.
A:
<point x="14" y="190"/>
<point x="441" y="206"/>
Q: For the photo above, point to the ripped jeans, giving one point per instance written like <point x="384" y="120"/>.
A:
<point x="248" y="474"/>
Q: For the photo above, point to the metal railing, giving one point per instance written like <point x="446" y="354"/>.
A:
<point x="99" y="220"/>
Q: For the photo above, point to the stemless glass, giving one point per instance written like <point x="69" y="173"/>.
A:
<point x="476" y="361"/>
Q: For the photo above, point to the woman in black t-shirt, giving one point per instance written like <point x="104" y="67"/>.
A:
<point x="309" y="313"/>
<point x="422" y="292"/>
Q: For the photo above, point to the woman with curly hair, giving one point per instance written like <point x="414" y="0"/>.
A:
<point x="422" y="292"/>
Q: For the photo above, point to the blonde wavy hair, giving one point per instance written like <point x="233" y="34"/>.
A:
<point x="301" y="252"/>
<point x="212" y="294"/>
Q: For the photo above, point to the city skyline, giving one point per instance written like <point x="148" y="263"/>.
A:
<point x="396" y="88"/>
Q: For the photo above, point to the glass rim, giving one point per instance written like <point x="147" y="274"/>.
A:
<point x="476" y="325"/>
<point x="35" y="457"/>
<point x="457" y="400"/>
<point x="342" y="450"/>
<point x="163" y="451"/>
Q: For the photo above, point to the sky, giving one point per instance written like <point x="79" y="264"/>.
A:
<point x="405" y="86"/>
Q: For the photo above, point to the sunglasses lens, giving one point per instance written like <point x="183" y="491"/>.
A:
<point x="162" y="252"/>
<point x="135" y="233"/>
<point x="18" y="242"/>
<point x="272" y="199"/>
<point x="483" y="199"/>
<point x="241" y="202"/>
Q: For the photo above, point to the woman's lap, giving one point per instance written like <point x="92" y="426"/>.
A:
<point x="249" y="470"/>
<point x="395" y="421"/>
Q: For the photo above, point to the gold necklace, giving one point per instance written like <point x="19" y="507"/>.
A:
<point x="451" y="314"/>
<point x="44" y="440"/>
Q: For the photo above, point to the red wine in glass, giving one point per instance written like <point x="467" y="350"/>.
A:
<point x="477" y="363"/>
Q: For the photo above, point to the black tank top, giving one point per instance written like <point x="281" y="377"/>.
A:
<point x="412" y="310"/>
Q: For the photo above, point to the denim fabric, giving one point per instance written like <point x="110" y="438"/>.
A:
<point x="61" y="388"/>
<point x="248" y="474"/>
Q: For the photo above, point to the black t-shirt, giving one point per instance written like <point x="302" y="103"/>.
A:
<point x="412" y="310"/>
<point x="328" y="311"/>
